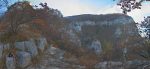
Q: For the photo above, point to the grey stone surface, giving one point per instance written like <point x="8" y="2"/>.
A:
<point x="6" y="46"/>
<point x="20" y="45"/>
<point x="10" y="63"/>
<point x="51" y="60"/>
<point x="41" y="43"/>
<point x="56" y="52"/>
<point x="134" y="64"/>
<point x="31" y="47"/>
<point x="96" y="47"/>
<point x="108" y="31"/>
<point x="24" y="59"/>
<point x="109" y="65"/>
<point x="118" y="32"/>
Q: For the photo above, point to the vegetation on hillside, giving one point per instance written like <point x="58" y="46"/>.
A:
<point x="23" y="21"/>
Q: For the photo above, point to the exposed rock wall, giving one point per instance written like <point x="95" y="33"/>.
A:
<point x="109" y="29"/>
<point x="96" y="47"/>
<point x="135" y="64"/>
<point x="25" y="52"/>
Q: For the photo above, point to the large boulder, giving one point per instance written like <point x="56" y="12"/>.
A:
<point x="26" y="50"/>
<point x="56" y="52"/>
<point x="20" y="45"/>
<point x="41" y="44"/>
<point x="96" y="47"/>
<point x="31" y="47"/>
<point x="6" y="46"/>
<point x="10" y="63"/>
<point x="23" y="58"/>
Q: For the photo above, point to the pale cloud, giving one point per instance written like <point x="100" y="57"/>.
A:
<point x="110" y="9"/>
<point x="137" y="14"/>
<point x="71" y="7"/>
<point x="76" y="7"/>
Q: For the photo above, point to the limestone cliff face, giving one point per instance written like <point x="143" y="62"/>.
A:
<point x="109" y="29"/>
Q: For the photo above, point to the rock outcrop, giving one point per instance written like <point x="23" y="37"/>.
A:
<point x="23" y="58"/>
<point x="20" y="46"/>
<point x="96" y="47"/>
<point x="53" y="59"/>
<point x="28" y="51"/>
<point x="135" y="64"/>
<point x="109" y="29"/>
<point x="25" y="52"/>
<point x="31" y="47"/>
<point x="10" y="62"/>
<point x="41" y="43"/>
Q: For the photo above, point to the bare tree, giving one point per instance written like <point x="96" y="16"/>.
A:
<point x="146" y="25"/>
<point x="15" y="20"/>
<point x="129" y="5"/>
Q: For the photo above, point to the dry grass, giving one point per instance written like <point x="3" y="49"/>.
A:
<point x="89" y="60"/>
<point x="2" y="63"/>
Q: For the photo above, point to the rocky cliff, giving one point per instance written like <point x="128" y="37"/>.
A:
<point x="114" y="30"/>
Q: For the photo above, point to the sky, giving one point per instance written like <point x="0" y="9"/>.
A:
<point x="77" y="7"/>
